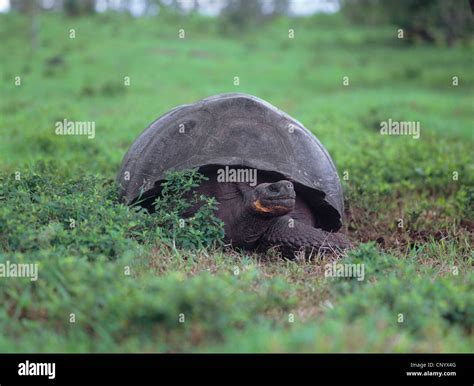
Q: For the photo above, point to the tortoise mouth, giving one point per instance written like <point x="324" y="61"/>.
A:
<point x="276" y="206"/>
<point x="288" y="197"/>
<point x="281" y="202"/>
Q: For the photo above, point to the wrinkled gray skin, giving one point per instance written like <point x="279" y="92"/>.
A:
<point x="298" y="202"/>
<point x="271" y="214"/>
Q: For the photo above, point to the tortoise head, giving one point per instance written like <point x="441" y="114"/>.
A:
<point x="271" y="199"/>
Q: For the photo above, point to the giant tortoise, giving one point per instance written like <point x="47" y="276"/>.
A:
<point x="296" y="201"/>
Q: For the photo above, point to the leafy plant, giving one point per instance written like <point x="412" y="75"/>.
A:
<point x="175" y="224"/>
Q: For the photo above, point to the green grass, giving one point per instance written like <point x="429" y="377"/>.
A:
<point x="126" y="287"/>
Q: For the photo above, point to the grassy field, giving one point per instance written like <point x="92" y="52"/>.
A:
<point x="108" y="282"/>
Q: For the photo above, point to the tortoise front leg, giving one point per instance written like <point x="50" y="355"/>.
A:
<point x="292" y="235"/>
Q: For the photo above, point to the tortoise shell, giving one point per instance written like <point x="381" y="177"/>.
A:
<point x="236" y="130"/>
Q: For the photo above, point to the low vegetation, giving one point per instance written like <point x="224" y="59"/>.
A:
<point x="115" y="278"/>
